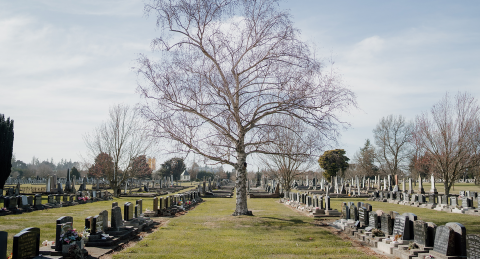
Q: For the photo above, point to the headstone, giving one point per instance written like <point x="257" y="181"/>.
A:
<point x="3" y="244"/>
<point x="155" y="204"/>
<point x="460" y="233"/>
<point x="344" y="211"/>
<point x="420" y="230"/>
<point x="400" y="227"/>
<point x="104" y="215"/>
<point x="386" y="224"/>
<point x="26" y="244"/>
<point x="431" y="230"/>
<point x="444" y="241"/>
<point x="140" y="208"/>
<point x="453" y="201"/>
<point x="363" y="216"/>
<point x="62" y="224"/>
<point x="88" y="223"/>
<point x="353" y="213"/>
<point x="97" y="225"/>
<point x="373" y="220"/>
<point x="473" y="246"/>
<point x="116" y="220"/>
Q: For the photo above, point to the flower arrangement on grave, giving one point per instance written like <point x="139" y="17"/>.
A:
<point x="70" y="236"/>
<point x="377" y="233"/>
<point x="85" y="233"/>
<point x="412" y="245"/>
<point x="397" y="237"/>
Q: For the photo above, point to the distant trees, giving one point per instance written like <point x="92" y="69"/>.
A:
<point x="364" y="160"/>
<point x="102" y="167"/>
<point x="393" y="136"/>
<point x="295" y="153"/>
<point x="205" y="174"/>
<point x="333" y="161"/>
<point x="450" y="135"/>
<point x="6" y="148"/>
<point x="120" y="138"/>
<point x="174" y="166"/>
<point x="140" y="168"/>
<point x="75" y="172"/>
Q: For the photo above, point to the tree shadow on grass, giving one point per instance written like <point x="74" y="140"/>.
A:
<point x="292" y="221"/>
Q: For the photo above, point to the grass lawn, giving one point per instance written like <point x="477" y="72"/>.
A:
<point x="209" y="231"/>
<point x="46" y="219"/>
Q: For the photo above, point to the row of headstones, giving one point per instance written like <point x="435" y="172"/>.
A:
<point x="449" y="240"/>
<point x="315" y="201"/>
<point x="27" y="202"/>
<point x="466" y="198"/>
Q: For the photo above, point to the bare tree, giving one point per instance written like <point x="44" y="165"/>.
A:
<point x="227" y="67"/>
<point x="122" y="138"/>
<point x="393" y="137"/>
<point x="450" y="135"/>
<point x="294" y="154"/>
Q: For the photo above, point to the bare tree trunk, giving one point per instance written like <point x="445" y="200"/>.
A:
<point x="445" y="185"/>
<point x="240" y="185"/>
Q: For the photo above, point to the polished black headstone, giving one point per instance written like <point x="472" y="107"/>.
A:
<point x="353" y="213"/>
<point x="61" y="222"/>
<point x="386" y="224"/>
<point x="420" y="230"/>
<point x="3" y="244"/>
<point x="401" y="227"/>
<point x="26" y="244"/>
<point x="460" y="233"/>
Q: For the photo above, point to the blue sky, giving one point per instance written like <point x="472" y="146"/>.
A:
<point x="64" y="63"/>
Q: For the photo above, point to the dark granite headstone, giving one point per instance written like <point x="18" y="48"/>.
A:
<point x="97" y="225"/>
<point x="420" y="230"/>
<point x="3" y="244"/>
<point x="386" y="224"/>
<point x="344" y="210"/>
<point x="363" y="216"/>
<point x="431" y="230"/>
<point x="61" y="227"/>
<point x="128" y="211"/>
<point x="460" y="235"/>
<point x="155" y="204"/>
<point x="114" y="204"/>
<point x="26" y="244"/>
<point x="116" y="220"/>
<point x="373" y="220"/>
<point x="444" y="241"/>
<point x="104" y="215"/>
<point x="473" y="246"/>
<point x="88" y="223"/>
<point x="37" y="200"/>
<point x="353" y="213"/>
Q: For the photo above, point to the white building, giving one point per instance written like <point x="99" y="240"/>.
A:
<point x="185" y="176"/>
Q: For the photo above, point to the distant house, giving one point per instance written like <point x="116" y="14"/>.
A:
<point x="185" y="176"/>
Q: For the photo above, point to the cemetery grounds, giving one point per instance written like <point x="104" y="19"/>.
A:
<point x="209" y="230"/>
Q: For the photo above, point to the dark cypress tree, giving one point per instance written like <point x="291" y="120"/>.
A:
<point x="6" y="148"/>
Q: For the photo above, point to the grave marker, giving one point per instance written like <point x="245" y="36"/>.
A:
<point x="3" y="244"/>
<point x="63" y="223"/>
<point x="444" y="241"/>
<point x="116" y="220"/>
<point x="473" y="246"/>
<point x="26" y="244"/>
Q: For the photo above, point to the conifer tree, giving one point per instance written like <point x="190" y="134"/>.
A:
<point x="6" y="148"/>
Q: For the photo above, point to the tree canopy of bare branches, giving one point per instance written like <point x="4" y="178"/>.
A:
<point x="295" y="153"/>
<point x="393" y="137"/>
<point x="226" y="68"/>
<point x="122" y="138"/>
<point x="450" y="135"/>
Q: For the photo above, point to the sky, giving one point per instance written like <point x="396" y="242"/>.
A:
<point x="64" y="63"/>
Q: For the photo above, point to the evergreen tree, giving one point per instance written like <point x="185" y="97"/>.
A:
<point x="6" y="148"/>
<point x="333" y="161"/>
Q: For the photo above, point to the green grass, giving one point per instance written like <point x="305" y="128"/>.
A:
<point x="46" y="219"/>
<point x="209" y="231"/>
